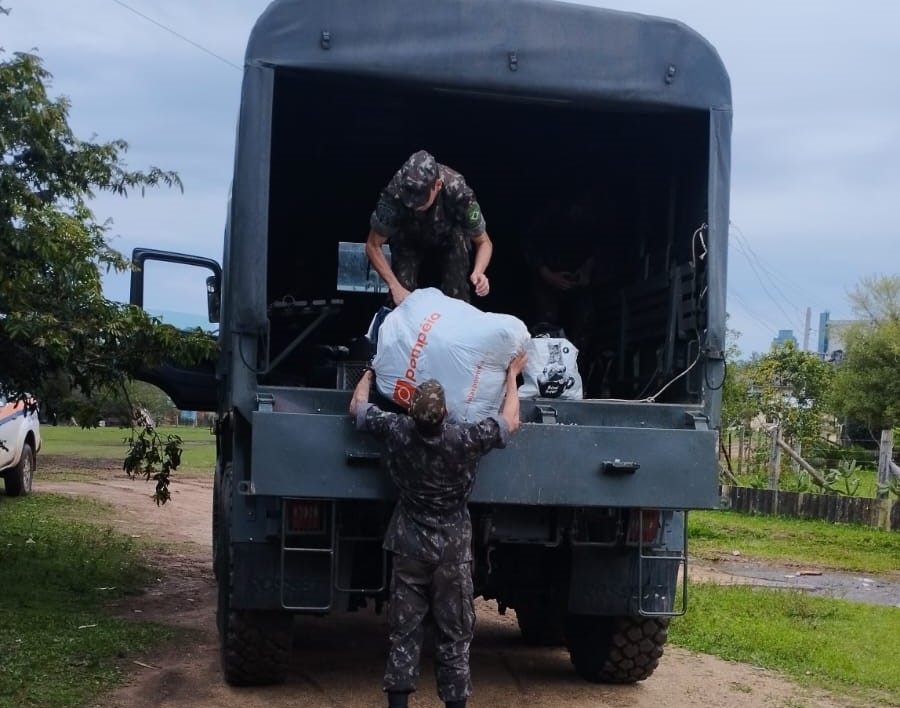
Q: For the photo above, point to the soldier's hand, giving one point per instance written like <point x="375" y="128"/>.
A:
<point x="561" y="280"/>
<point x="481" y="283"/>
<point x="555" y="279"/>
<point x="518" y="363"/>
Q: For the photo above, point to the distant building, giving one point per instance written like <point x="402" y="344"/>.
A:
<point x="784" y="336"/>
<point x="822" y="346"/>
<point x="189" y="417"/>
<point x="831" y="337"/>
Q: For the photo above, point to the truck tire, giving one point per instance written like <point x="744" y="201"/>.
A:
<point x="18" y="479"/>
<point x="616" y="649"/>
<point x="541" y="626"/>
<point x="217" y="521"/>
<point x="255" y="645"/>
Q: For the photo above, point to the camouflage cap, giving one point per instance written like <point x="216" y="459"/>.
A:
<point x="428" y="406"/>
<point x="417" y="177"/>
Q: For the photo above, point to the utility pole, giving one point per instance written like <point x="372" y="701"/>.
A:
<point x="806" y="329"/>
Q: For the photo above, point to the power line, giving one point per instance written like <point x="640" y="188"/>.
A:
<point x="743" y="241"/>
<point x="758" y="266"/>
<point x="733" y="294"/>
<point x="761" y="268"/>
<point x="743" y="246"/>
<point x="765" y="289"/>
<point x="739" y="306"/>
<point x="179" y="35"/>
<point x="755" y="268"/>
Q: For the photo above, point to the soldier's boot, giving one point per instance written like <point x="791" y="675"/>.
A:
<point x="455" y="704"/>
<point x="398" y="699"/>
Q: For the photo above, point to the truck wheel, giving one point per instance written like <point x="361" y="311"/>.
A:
<point x="541" y="626"/>
<point x="18" y="479"/>
<point x="616" y="649"/>
<point x="217" y="520"/>
<point x="255" y="644"/>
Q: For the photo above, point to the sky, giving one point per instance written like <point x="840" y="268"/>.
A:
<point x="815" y="144"/>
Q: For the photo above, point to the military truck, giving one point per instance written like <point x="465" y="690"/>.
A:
<point x="580" y="523"/>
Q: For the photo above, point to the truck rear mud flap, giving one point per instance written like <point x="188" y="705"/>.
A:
<point x="670" y="598"/>
<point x="658" y="572"/>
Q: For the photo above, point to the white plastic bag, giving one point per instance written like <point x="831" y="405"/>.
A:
<point x="432" y="336"/>
<point x="551" y="370"/>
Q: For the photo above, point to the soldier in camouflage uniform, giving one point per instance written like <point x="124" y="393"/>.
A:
<point x="433" y="462"/>
<point x="428" y="211"/>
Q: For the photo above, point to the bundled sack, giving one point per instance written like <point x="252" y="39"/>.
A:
<point x="432" y="336"/>
<point x="551" y="370"/>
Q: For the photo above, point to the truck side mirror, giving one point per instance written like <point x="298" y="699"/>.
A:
<point x="177" y="268"/>
<point x="213" y="298"/>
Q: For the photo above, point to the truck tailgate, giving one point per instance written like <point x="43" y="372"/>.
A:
<point x="322" y="455"/>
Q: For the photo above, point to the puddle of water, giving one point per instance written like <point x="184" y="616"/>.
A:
<point x="875" y="590"/>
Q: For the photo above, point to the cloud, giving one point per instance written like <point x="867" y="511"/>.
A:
<point x="815" y="149"/>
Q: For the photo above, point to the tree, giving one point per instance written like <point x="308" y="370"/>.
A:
<point x="57" y="330"/>
<point x="876" y="299"/>
<point x="867" y="385"/>
<point x="737" y="406"/>
<point x="114" y="406"/>
<point x="791" y="388"/>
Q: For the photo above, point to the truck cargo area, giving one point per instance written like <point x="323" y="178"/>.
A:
<point x="339" y="138"/>
<point x="569" y="122"/>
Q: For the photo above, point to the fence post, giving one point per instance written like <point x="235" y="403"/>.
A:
<point x="774" y="458"/>
<point x="740" y="463"/>
<point x="798" y="451"/>
<point x="885" y="451"/>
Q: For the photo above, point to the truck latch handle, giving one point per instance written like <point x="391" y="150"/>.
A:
<point x="619" y="467"/>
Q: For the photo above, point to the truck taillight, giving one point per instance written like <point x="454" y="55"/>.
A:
<point x="645" y="524"/>
<point x="305" y="516"/>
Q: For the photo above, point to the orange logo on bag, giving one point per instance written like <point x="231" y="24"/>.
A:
<point x="403" y="391"/>
<point x="420" y="343"/>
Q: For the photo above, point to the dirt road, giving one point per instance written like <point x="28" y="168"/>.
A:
<point x="337" y="660"/>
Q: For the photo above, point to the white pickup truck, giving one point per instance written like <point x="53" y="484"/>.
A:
<point x="20" y="441"/>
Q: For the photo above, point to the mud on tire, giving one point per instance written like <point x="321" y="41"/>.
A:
<point x="255" y="645"/>
<point x="616" y="649"/>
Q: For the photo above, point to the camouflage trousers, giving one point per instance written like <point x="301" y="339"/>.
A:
<point x="445" y="589"/>
<point x="452" y="263"/>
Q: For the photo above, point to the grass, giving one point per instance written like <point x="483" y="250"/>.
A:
<point x="59" y="648"/>
<point x="842" y="646"/>
<point x="109" y="445"/>
<point x="716" y="534"/>
<point x="58" y="644"/>
<point x="839" y="645"/>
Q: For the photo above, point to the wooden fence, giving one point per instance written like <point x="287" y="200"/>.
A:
<point x="878" y="513"/>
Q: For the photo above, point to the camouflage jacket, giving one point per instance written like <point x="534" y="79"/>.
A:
<point x="435" y="476"/>
<point x="455" y="209"/>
